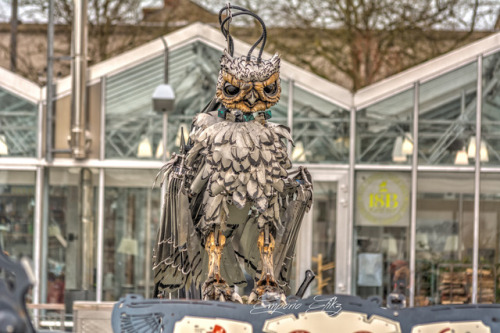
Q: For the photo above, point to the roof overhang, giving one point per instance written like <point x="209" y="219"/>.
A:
<point x="208" y="35"/>
<point x="426" y="71"/>
<point x="20" y="86"/>
<point x="310" y="82"/>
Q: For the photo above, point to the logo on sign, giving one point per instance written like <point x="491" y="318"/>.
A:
<point x="383" y="199"/>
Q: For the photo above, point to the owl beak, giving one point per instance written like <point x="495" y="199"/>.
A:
<point x="252" y="97"/>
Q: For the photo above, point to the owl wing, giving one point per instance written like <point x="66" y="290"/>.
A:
<point x="178" y="257"/>
<point x="296" y="200"/>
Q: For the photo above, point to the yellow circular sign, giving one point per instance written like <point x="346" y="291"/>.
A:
<point x="383" y="199"/>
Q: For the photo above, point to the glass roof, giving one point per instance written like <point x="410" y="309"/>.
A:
<point x="18" y="126"/>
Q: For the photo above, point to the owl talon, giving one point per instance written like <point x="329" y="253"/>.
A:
<point x="214" y="290"/>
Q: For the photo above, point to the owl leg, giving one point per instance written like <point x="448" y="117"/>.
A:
<point x="267" y="289"/>
<point x="215" y="288"/>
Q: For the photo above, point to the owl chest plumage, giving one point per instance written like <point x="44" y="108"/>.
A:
<point x="241" y="161"/>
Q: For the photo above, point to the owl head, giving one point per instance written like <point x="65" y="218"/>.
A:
<point x="249" y="84"/>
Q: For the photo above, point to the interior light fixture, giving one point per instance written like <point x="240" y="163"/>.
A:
<point x="298" y="152"/>
<point x="462" y="158"/>
<point x="159" y="150"/>
<point x="397" y="151"/>
<point x="471" y="149"/>
<point x="483" y="152"/>
<point x="4" y="149"/>
<point x="408" y="144"/>
<point x="144" y="150"/>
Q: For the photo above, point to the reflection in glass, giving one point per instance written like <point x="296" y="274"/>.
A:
<point x="323" y="243"/>
<point x="17" y="200"/>
<point x="132" y="210"/>
<point x="491" y="110"/>
<point x="489" y="240"/>
<point x="447" y="116"/>
<point x="72" y="199"/>
<point x="445" y="207"/>
<point x="381" y="234"/>
<point x="384" y="131"/>
<point x="18" y="126"/>
<point x="193" y="73"/>
<point x="320" y="129"/>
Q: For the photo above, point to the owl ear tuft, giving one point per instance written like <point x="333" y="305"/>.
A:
<point x="228" y="56"/>
<point x="275" y="60"/>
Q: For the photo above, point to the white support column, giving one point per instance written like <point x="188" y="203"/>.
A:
<point x="37" y="233"/>
<point x="350" y="221"/>
<point x="477" y="180"/>
<point x="414" y="193"/>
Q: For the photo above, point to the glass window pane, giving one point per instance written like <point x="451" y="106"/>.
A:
<point x="320" y="129"/>
<point x="323" y="243"/>
<point x="384" y="131"/>
<point x="445" y="210"/>
<point x="132" y="211"/>
<point x="489" y="240"/>
<point x="381" y="234"/>
<point x="18" y="126"/>
<point x="72" y="199"/>
<point x="447" y="117"/>
<point x="130" y="119"/>
<point x="490" y="143"/>
<point x="17" y="202"/>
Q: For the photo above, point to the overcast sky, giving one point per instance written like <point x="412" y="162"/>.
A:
<point x="486" y="21"/>
<point x="5" y="11"/>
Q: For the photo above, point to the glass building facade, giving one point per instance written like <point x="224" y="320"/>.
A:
<point x="406" y="175"/>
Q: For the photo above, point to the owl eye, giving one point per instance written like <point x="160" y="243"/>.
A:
<point x="231" y="90"/>
<point x="270" y="89"/>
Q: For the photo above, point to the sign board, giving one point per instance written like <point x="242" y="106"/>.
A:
<point x="383" y="199"/>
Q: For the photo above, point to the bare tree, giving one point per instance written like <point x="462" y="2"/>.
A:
<point x="358" y="42"/>
<point x="113" y="28"/>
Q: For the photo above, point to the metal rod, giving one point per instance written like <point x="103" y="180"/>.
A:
<point x="13" y="37"/>
<point x="102" y="134"/>
<point x="164" y="136"/>
<point x="86" y="229"/>
<point x="39" y="136"/>
<point x="290" y="114"/>
<point x="78" y="137"/>
<point x="147" y="260"/>
<point x="414" y="193"/>
<point x="44" y="234"/>
<point x="477" y="180"/>
<point x="101" y="197"/>
<point x="49" y="136"/>
<point x="100" y="237"/>
<point x="37" y="233"/>
<point x="165" y="52"/>
<point x="350" y="221"/>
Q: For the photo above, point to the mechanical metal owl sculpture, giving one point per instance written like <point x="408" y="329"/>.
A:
<point x="230" y="202"/>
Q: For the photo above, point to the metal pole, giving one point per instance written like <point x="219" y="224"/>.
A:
<point x="78" y="137"/>
<point x="50" y="87"/>
<point x="44" y="234"/>
<point x="165" y="58"/>
<point x="13" y="37"/>
<point x="101" y="198"/>
<point x="414" y="193"/>
<point x="350" y="221"/>
<point x="100" y="237"/>
<point x="37" y="235"/>
<point x="147" y="259"/>
<point x="86" y="228"/>
<point x="477" y="180"/>
<point x="290" y="114"/>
